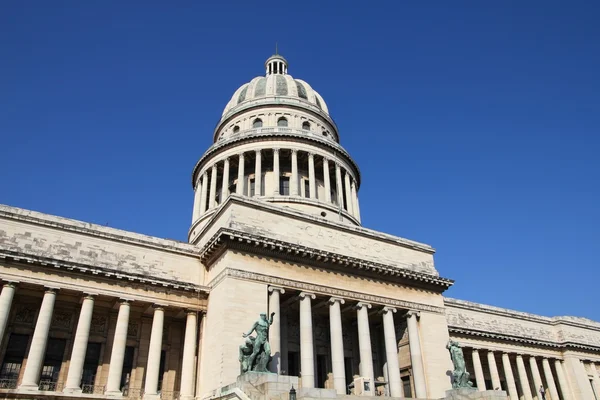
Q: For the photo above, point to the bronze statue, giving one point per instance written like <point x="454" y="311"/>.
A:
<point x="460" y="376"/>
<point x="255" y="354"/>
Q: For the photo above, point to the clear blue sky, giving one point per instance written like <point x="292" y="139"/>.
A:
<point x="475" y="124"/>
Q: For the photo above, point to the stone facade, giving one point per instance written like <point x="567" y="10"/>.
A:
<point x="92" y="311"/>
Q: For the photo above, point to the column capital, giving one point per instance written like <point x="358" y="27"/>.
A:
<point x="276" y="150"/>
<point x="303" y="295"/>
<point x="311" y="154"/>
<point x="52" y="290"/>
<point x="387" y="309"/>
<point x="333" y="300"/>
<point x="214" y="166"/>
<point x="205" y="174"/>
<point x="241" y="155"/>
<point x="326" y="160"/>
<point x="226" y="159"/>
<point x="257" y="151"/>
<point x="294" y="151"/>
<point x="159" y="307"/>
<point x="189" y="311"/>
<point x="123" y="300"/>
<point x="89" y="296"/>
<point x="362" y="304"/>
<point x="11" y="284"/>
<point x="272" y="289"/>
<point x="413" y="313"/>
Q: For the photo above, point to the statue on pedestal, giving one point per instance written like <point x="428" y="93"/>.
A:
<point x="255" y="353"/>
<point x="460" y="376"/>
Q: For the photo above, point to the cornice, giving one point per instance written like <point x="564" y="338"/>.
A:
<point x="228" y="238"/>
<point x="98" y="271"/>
<point x="322" y="290"/>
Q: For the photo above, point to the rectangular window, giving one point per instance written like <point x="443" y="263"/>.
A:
<point x="406" y="386"/>
<point x="321" y="370"/>
<point x="161" y="370"/>
<point x="90" y="366"/>
<point x="55" y="350"/>
<point x="293" y="364"/>
<point x="127" y="366"/>
<point x="13" y="360"/>
<point x="251" y="188"/>
<point x="284" y="185"/>
<point x="348" y="371"/>
<point x="306" y="188"/>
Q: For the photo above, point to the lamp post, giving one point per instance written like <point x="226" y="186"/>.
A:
<point x="292" y="395"/>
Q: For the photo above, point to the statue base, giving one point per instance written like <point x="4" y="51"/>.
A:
<point x="474" y="394"/>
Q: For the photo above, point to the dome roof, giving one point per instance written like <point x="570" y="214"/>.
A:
<point x="277" y="83"/>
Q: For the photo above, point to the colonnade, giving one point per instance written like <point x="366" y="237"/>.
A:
<point x="527" y="366"/>
<point x="340" y="186"/>
<point x="307" y="357"/>
<point x="35" y="356"/>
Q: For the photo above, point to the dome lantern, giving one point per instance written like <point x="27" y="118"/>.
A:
<point x="276" y="64"/>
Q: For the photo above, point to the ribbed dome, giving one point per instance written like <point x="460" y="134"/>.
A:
<point x="277" y="83"/>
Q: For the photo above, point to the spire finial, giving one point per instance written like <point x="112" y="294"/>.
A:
<point x="276" y="52"/>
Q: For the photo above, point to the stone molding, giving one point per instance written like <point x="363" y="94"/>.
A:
<point x="322" y="290"/>
<point x="226" y="238"/>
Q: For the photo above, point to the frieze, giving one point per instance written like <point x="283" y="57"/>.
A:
<point x="132" y="329"/>
<point x="25" y="315"/>
<point x="98" y="325"/>
<point x="322" y="290"/>
<point x="62" y="320"/>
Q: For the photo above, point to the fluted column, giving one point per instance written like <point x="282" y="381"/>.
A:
<point x="510" y="378"/>
<point x="307" y="359"/>
<point x="391" y="352"/>
<point x="294" y="177"/>
<point x="189" y="356"/>
<point x="6" y="298"/>
<point x="203" y="192"/>
<point x="364" y="341"/>
<point x="479" y="378"/>
<point x="258" y="174"/>
<point x="494" y="371"/>
<point x="326" y="180"/>
<point x="80" y="343"/>
<point x="523" y="379"/>
<point x="349" y="201"/>
<point x="154" y="352"/>
<point x="565" y="389"/>
<point x="354" y="200"/>
<point x="550" y="379"/>
<point x="275" y="329"/>
<point x="276" y="173"/>
<point x="338" y="185"/>
<point x="213" y="188"/>
<point x="117" y="354"/>
<point x="312" y="187"/>
<point x="197" y="199"/>
<point x="416" y="357"/>
<point x="225" y="183"/>
<point x="239" y="188"/>
<point x="337" y="345"/>
<point x="537" y="378"/>
<point x="37" y="349"/>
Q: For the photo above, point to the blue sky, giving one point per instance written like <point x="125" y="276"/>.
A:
<point x="475" y="124"/>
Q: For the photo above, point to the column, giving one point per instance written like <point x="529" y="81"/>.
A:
<point x="213" y="188"/>
<point x="479" y="378"/>
<point x="510" y="379"/>
<point x="294" y="177"/>
<point x="523" y="379"/>
<point x="225" y="185"/>
<point x="6" y="298"/>
<point x="186" y="390"/>
<point x="354" y="199"/>
<point x="275" y="330"/>
<point x="338" y="185"/>
<point x="73" y="384"/>
<point x="276" y="172"/>
<point x="337" y="345"/>
<point x="203" y="192"/>
<point x="239" y="188"/>
<point x="326" y="180"/>
<point x="596" y="379"/>
<point x="537" y="378"/>
<point x="416" y="359"/>
<point x="197" y="200"/>
<point x="307" y="366"/>
<point x="550" y="379"/>
<point x="364" y="341"/>
<point x="565" y="390"/>
<point x="391" y="353"/>
<point x="494" y="371"/>
<point x="349" y="200"/>
<point x="312" y="187"/>
<point x="37" y="350"/>
<point x="117" y="354"/>
<point x="154" y="351"/>
<point x="258" y="174"/>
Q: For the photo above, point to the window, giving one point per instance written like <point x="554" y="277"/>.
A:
<point x="13" y="359"/>
<point x="282" y="122"/>
<point x="306" y="188"/>
<point x="325" y="133"/>
<point x="236" y="129"/>
<point x="293" y="363"/>
<point x="257" y="123"/>
<point x="306" y="126"/>
<point x="90" y="366"/>
<point x="406" y="386"/>
<point x="251" y="188"/>
<point x="284" y="185"/>
<point x="55" y="349"/>
<point x="127" y="366"/>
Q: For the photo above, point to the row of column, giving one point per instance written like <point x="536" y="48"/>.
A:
<point x="35" y="358"/>
<point x="206" y="189"/>
<point x="524" y="383"/>
<point x="337" y="343"/>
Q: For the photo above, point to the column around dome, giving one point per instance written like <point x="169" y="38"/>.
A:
<point x="338" y="185"/>
<point x="239" y="188"/>
<point x="326" y="180"/>
<point x="294" y="178"/>
<point x="312" y="187"/>
<point x="349" y="200"/>
<point x="276" y="172"/>
<point x="258" y="174"/>
<point x="225" y="184"/>
<point x="213" y="188"/>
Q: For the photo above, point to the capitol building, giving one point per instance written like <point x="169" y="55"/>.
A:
<point x="88" y="311"/>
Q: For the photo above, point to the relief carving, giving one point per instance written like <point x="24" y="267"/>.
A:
<point x="132" y="329"/>
<point x="62" y="320"/>
<point x="98" y="325"/>
<point x="25" y="315"/>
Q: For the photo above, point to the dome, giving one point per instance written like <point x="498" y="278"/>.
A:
<point x="277" y="85"/>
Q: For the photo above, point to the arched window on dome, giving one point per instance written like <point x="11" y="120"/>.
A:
<point x="257" y="123"/>
<point x="306" y="126"/>
<point x="236" y="129"/>
<point x="282" y="122"/>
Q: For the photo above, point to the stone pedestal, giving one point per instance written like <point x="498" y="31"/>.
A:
<point x="474" y="394"/>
